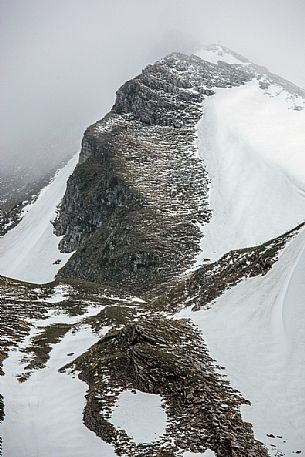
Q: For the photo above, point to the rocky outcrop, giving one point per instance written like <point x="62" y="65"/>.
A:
<point x="166" y="357"/>
<point x="133" y="206"/>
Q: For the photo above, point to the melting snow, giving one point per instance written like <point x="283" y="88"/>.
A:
<point x="60" y="294"/>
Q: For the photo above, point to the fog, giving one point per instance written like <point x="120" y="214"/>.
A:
<point x="63" y="60"/>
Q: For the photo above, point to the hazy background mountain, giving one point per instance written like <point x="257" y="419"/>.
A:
<point x="62" y="61"/>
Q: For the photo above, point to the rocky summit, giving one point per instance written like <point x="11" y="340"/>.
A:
<point x="133" y="305"/>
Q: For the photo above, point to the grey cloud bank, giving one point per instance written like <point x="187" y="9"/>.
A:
<point x="63" y="60"/>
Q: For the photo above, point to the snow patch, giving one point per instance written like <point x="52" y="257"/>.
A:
<point x="141" y="415"/>
<point x="207" y="453"/>
<point x="60" y="294"/>
<point x="217" y="53"/>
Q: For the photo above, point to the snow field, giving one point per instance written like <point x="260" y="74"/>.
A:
<point x="207" y="453"/>
<point x="253" y="147"/>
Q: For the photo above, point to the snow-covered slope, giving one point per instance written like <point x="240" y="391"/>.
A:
<point x="253" y="147"/>
<point x="252" y="141"/>
<point x="28" y="251"/>
<point x="257" y="331"/>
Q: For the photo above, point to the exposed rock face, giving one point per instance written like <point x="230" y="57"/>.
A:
<point x="133" y="206"/>
<point x="134" y="203"/>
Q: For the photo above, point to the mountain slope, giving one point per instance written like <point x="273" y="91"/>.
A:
<point x="181" y="228"/>
<point x="252" y="145"/>
<point x="256" y="330"/>
<point x="29" y="251"/>
<point x="138" y="237"/>
<point x="136" y="217"/>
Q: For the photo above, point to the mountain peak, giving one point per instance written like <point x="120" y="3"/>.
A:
<point x="216" y="52"/>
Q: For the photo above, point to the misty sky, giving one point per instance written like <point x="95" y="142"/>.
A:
<point x="63" y="60"/>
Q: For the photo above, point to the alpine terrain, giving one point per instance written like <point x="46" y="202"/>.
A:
<point x="152" y="293"/>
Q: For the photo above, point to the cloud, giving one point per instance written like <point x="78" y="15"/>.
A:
<point x="63" y="60"/>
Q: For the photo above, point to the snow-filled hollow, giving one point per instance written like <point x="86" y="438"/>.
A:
<point x="29" y="252"/>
